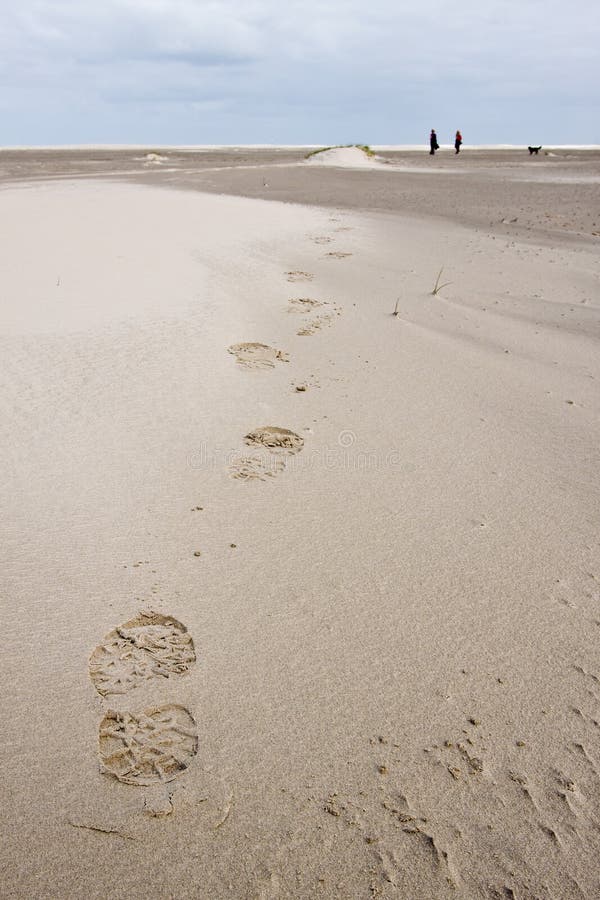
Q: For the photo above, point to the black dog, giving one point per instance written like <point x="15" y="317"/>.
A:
<point x="533" y="150"/>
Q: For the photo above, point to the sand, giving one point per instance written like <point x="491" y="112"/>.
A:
<point x="345" y="158"/>
<point x="301" y="597"/>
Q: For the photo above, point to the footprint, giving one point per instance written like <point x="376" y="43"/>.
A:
<point x="257" y="356"/>
<point x="315" y="325"/>
<point x="307" y="305"/>
<point x="156" y="745"/>
<point x="256" y="467"/>
<point x="275" y="439"/>
<point x="299" y="276"/>
<point x="146" y="647"/>
<point x="337" y="254"/>
<point x="303" y="304"/>
<point x="459" y="759"/>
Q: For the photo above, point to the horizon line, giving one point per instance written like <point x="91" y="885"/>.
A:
<point x="389" y="147"/>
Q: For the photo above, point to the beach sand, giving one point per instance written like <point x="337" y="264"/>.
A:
<point x="301" y="597"/>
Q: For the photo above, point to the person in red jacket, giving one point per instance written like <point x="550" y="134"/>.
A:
<point x="457" y="141"/>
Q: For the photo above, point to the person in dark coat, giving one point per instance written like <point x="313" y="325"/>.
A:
<point x="457" y="141"/>
<point x="433" y="142"/>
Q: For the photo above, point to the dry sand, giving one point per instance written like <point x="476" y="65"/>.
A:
<point x="345" y="158"/>
<point x="328" y="604"/>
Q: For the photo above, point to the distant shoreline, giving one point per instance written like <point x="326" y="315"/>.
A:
<point x="208" y="147"/>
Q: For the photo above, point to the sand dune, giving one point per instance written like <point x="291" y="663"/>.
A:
<point x="345" y="158"/>
<point x="268" y="640"/>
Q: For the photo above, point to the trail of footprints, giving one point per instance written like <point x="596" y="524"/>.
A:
<point x="270" y="444"/>
<point x="157" y="743"/>
<point x="151" y="744"/>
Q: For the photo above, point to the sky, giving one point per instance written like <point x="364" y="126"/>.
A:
<point x="287" y="72"/>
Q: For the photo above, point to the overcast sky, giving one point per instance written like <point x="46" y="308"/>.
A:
<point x="285" y="72"/>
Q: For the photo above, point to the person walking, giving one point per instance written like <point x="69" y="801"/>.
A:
<point x="457" y="141"/>
<point x="433" y="142"/>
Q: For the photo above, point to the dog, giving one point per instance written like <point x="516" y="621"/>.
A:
<point x="533" y="150"/>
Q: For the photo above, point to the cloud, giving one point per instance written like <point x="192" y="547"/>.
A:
<point x="258" y="59"/>
<point x="260" y="29"/>
<point x="131" y="29"/>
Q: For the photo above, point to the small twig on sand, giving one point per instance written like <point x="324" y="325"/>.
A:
<point x="437" y="286"/>
<point x="396" y="313"/>
<point x="127" y="837"/>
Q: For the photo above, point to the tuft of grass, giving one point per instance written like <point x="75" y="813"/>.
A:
<point x="437" y="286"/>
<point x="320" y="150"/>
<point x="364" y="147"/>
